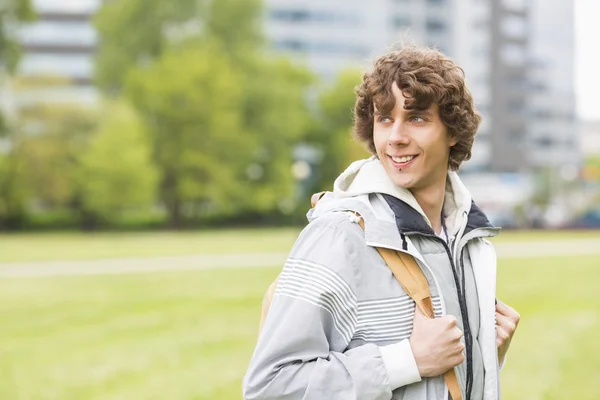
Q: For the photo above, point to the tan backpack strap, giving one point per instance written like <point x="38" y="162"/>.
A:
<point x="413" y="281"/>
<point x="266" y="304"/>
<point x="314" y="199"/>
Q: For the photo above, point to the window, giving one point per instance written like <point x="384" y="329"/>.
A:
<point x="401" y="21"/>
<point x="435" y="26"/>
<point x="291" y="45"/>
<point x="300" y="16"/>
<point x="516" y="107"/>
<point x="544" y="141"/>
<point x="514" y="27"/>
<point x="516" y="135"/>
<point x="290" y="15"/>
<point x="58" y="34"/>
<point x="517" y="81"/>
<point x="299" y="46"/>
<point x="513" y="55"/>
<point x="515" y="5"/>
<point x="543" y="114"/>
<point x="72" y="66"/>
<point x="67" y="6"/>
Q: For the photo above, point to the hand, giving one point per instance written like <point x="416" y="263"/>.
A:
<point x="436" y="344"/>
<point x="507" y="320"/>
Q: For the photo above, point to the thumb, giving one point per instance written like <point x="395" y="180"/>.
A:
<point x="419" y="316"/>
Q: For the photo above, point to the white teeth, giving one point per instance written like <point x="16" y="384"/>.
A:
<point x="402" y="159"/>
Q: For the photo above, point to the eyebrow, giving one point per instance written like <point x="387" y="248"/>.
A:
<point x="411" y="112"/>
<point x="426" y="113"/>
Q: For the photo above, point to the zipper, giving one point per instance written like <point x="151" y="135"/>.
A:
<point x="462" y="303"/>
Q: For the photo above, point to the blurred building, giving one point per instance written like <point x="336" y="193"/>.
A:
<point x="521" y="75"/>
<point x="554" y="134"/>
<point x="590" y="138"/>
<point x="328" y="36"/>
<point x="58" y="50"/>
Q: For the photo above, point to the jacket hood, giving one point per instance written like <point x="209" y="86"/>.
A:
<point x="369" y="176"/>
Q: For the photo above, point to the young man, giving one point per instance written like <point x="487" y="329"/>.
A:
<point x="340" y="326"/>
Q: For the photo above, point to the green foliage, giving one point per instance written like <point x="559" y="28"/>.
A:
<point x="332" y="134"/>
<point x="277" y="116"/>
<point x="12" y="12"/>
<point x="50" y="139"/>
<point x="13" y="195"/>
<point x="236" y="24"/>
<point x="136" y="32"/>
<point x="191" y="101"/>
<point x="223" y="116"/>
<point x="115" y="173"/>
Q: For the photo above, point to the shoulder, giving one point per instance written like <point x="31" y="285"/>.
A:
<point x="342" y="226"/>
<point x="331" y="243"/>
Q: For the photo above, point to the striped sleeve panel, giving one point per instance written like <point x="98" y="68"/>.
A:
<point x="321" y="287"/>
<point x="385" y="320"/>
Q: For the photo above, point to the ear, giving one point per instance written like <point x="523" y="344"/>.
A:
<point x="452" y="141"/>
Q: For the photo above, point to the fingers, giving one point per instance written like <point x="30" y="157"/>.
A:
<point x="507" y="311"/>
<point x="501" y="307"/>
<point x="505" y="322"/>
<point x="457" y="358"/>
<point x="505" y="329"/>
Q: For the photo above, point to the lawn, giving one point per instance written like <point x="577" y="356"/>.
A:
<point x="77" y="246"/>
<point x="189" y="335"/>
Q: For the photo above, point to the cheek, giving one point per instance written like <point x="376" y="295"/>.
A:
<point x="379" y="140"/>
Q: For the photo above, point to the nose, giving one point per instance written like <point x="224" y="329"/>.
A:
<point x="398" y="135"/>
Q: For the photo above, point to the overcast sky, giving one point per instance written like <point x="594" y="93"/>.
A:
<point x="587" y="58"/>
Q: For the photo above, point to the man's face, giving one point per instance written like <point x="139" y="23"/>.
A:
<point x="413" y="145"/>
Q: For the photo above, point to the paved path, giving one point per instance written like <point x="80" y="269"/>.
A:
<point x="252" y="260"/>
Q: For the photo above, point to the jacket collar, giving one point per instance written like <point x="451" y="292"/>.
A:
<point x="477" y="219"/>
<point x="408" y="220"/>
<point x="366" y="188"/>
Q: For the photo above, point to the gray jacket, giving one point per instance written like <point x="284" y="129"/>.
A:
<point x="339" y="323"/>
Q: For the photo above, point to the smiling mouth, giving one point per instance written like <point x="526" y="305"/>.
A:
<point x="402" y="162"/>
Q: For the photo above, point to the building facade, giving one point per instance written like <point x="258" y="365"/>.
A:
<point x="58" y="51"/>
<point x="507" y="48"/>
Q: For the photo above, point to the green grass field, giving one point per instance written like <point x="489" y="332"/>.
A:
<point x="189" y="335"/>
<point x="77" y="246"/>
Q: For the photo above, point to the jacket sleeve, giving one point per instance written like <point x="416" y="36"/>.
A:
<point x="302" y="350"/>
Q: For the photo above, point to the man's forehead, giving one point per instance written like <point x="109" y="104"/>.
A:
<point x="429" y="110"/>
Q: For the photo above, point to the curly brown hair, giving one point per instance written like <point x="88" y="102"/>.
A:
<point x="425" y="76"/>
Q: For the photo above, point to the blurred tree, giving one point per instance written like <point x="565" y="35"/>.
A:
<point x="222" y="114"/>
<point x="13" y="193"/>
<point x="197" y="135"/>
<point x="134" y="33"/>
<point x="50" y="139"/>
<point x="332" y="132"/>
<point x="276" y="115"/>
<point x="115" y="173"/>
<point x="12" y="12"/>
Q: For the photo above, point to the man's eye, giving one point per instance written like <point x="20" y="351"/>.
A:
<point x="417" y="119"/>
<point x="383" y="119"/>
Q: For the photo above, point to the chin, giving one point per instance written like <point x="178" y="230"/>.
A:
<point x="403" y="182"/>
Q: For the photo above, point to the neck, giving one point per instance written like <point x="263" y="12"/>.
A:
<point x="431" y="200"/>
